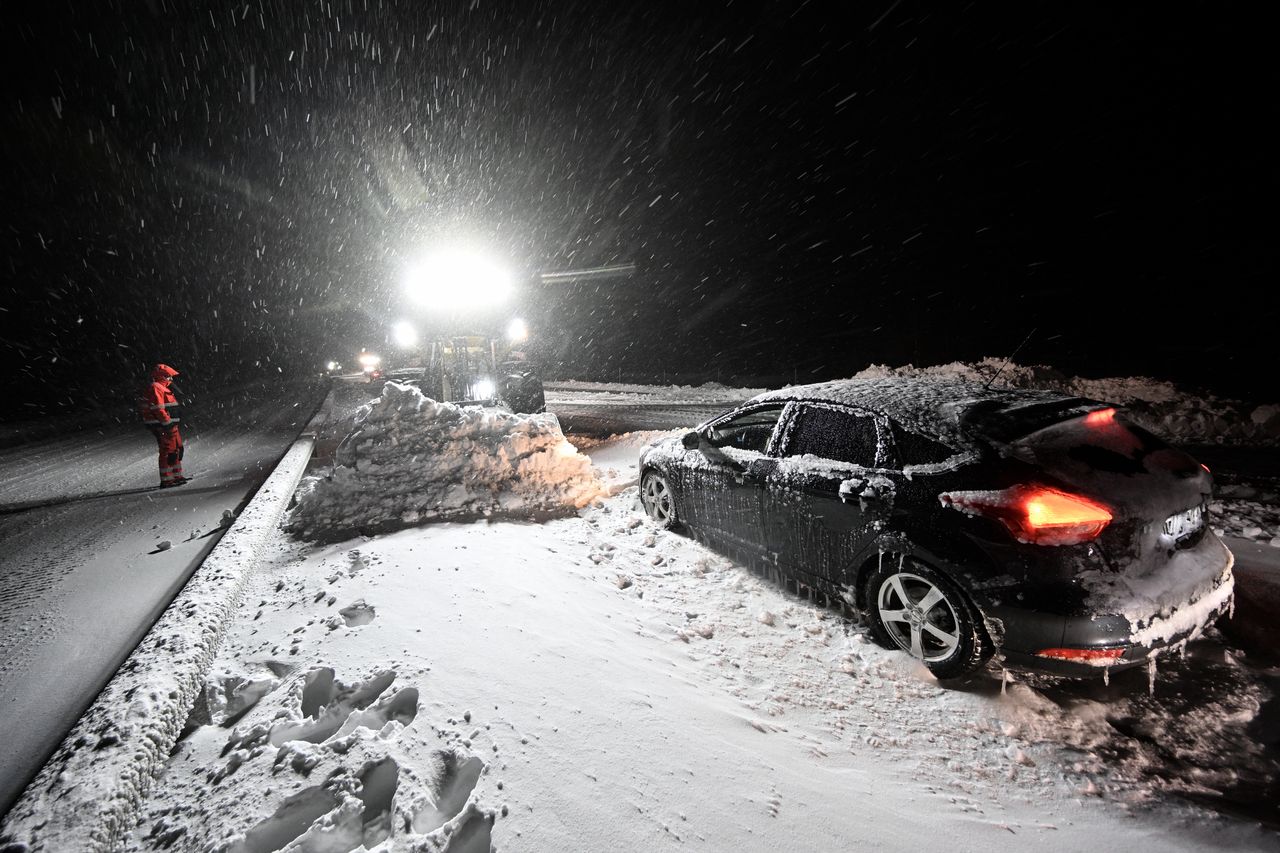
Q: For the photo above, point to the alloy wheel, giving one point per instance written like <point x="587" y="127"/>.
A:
<point x="658" y="501"/>
<point x="918" y="617"/>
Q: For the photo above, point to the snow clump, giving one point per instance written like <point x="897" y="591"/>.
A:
<point x="411" y="460"/>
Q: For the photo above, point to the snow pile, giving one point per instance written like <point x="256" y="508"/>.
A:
<point x="411" y="460"/>
<point x="1155" y="404"/>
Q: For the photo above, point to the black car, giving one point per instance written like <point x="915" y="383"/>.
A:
<point x="961" y="521"/>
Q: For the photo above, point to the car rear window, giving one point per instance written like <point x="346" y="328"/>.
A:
<point x="1003" y="422"/>
<point x="1099" y="440"/>
<point x="834" y="434"/>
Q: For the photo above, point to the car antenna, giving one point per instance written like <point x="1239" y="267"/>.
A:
<point x="1017" y="350"/>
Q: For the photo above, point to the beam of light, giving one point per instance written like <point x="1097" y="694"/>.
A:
<point x="590" y="273"/>
<point x="457" y="281"/>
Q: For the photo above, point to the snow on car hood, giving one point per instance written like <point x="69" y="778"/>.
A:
<point x="411" y="460"/>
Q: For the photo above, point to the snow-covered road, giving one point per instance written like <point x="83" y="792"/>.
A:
<point x="597" y="409"/>
<point x="82" y="572"/>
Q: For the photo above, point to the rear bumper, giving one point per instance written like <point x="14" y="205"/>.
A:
<point x="1085" y="644"/>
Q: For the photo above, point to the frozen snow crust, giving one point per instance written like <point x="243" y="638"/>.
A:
<point x="411" y="460"/>
<point x="1157" y="405"/>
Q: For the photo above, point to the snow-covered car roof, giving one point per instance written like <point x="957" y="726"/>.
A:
<point x="934" y="406"/>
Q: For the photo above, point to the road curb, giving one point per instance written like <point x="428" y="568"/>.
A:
<point x="88" y="794"/>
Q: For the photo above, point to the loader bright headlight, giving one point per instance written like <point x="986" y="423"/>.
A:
<point x="517" y="331"/>
<point x="406" y="336"/>
<point x="457" y="281"/>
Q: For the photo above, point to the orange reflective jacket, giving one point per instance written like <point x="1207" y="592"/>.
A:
<point x="158" y="406"/>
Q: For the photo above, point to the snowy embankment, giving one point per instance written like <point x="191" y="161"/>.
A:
<point x="1158" y="405"/>
<point x="411" y="460"/>
<point x="596" y="683"/>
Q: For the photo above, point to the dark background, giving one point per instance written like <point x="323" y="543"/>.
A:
<point x="804" y="188"/>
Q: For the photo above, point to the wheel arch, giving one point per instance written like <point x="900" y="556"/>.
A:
<point x="900" y="545"/>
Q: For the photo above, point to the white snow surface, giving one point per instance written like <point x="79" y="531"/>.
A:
<point x="596" y="683"/>
<point x="411" y="460"/>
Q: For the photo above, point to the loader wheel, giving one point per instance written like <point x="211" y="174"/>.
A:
<point x="523" y="393"/>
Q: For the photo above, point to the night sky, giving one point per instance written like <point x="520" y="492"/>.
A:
<point x="803" y="188"/>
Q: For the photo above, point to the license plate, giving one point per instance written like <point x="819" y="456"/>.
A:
<point x="1184" y="523"/>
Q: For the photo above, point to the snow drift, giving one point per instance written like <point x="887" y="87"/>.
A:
<point x="410" y="460"/>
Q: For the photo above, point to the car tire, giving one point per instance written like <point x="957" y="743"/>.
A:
<point x="946" y="635"/>
<point x="659" y="500"/>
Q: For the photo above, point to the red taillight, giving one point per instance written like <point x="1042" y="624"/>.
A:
<point x="1036" y="514"/>
<point x="1206" y="468"/>
<point x="1093" y="657"/>
<point x="1101" y="416"/>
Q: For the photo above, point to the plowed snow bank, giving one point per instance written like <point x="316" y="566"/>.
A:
<point x="411" y="460"/>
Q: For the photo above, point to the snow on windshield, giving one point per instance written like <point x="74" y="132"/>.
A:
<point x="411" y="460"/>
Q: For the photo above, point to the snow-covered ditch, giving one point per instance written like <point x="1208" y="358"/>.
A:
<point x="595" y="683"/>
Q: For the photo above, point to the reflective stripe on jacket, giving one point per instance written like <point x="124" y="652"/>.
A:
<point x="159" y="406"/>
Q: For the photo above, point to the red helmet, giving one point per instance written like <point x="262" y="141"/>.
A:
<point x="161" y="372"/>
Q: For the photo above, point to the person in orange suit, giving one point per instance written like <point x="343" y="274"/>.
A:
<point x="162" y="414"/>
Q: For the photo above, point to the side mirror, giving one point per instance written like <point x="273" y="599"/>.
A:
<point x="692" y="440"/>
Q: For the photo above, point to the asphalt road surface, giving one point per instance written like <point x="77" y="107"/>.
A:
<point x="83" y="572"/>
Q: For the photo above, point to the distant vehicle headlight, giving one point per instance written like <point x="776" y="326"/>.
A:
<point x="483" y="389"/>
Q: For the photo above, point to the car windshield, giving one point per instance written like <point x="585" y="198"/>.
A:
<point x="749" y="431"/>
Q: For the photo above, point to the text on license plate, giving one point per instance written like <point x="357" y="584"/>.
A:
<point x="1183" y="523"/>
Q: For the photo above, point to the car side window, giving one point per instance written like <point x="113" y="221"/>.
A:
<point x="834" y="434"/>
<point x="916" y="449"/>
<point x="749" y="431"/>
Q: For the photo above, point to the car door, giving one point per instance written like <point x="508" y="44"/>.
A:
<point x="824" y="496"/>
<point x="722" y="482"/>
